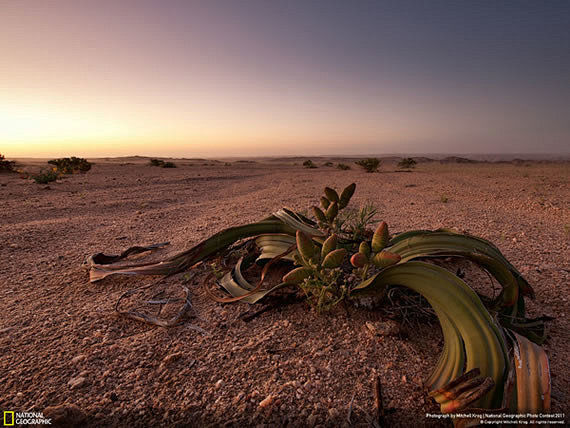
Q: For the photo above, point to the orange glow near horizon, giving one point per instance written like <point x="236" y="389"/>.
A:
<point x="251" y="78"/>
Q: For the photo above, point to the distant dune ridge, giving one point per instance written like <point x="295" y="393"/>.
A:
<point x="515" y="158"/>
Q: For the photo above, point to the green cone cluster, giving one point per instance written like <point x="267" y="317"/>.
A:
<point x="314" y="262"/>
<point x="319" y="271"/>
<point x="376" y="255"/>
<point x="331" y="204"/>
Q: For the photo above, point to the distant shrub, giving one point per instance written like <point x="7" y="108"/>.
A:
<point x="45" y="177"/>
<point x="444" y="199"/>
<point x="6" y="165"/>
<point x="72" y="165"/>
<point x="328" y="164"/>
<point x="407" y="163"/>
<point x="342" y="167"/>
<point x="309" y="164"/>
<point x="369" y="164"/>
<point x="161" y="163"/>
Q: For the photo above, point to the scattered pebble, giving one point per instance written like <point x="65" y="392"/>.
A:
<point x="383" y="328"/>
<point x="76" y="382"/>
<point x="267" y="401"/>
<point x="78" y="359"/>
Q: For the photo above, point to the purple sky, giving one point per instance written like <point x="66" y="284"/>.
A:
<point x="214" y="78"/>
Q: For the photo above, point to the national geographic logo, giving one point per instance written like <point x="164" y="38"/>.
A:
<point x="8" y="419"/>
<point x="25" y="418"/>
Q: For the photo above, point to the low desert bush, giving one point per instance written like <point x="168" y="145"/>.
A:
<point x="309" y="164"/>
<point x="6" y="165"/>
<point x="161" y="163"/>
<point x="342" y="167"/>
<point x="328" y="164"/>
<point x="407" y="163"/>
<point x="369" y="164"/>
<point x="45" y="177"/>
<point x="72" y="165"/>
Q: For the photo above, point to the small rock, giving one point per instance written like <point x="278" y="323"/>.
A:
<point x="267" y="401"/>
<point x="219" y="384"/>
<point x="238" y="398"/>
<point x="65" y="415"/>
<point x="171" y="358"/>
<point x="78" y="359"/>
<point x="383" y="328"/>
<point x="76" y="382"/>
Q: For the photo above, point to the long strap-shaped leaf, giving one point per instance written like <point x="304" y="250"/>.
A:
<point x="188" y="258"/>
<point x="484" y="246"/>
<point x="440" y="244"/>
<point x="298" y="222"/>
<point x="510" y="303"/>
<point x="274" y="244"/>
<point x="235" y="284"/>
<point x="532" y="376"/>
<point x="455" y="302"/>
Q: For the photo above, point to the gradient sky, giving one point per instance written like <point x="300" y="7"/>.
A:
<point x="240" y="77"/>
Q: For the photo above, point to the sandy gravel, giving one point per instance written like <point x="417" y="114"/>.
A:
<point x="62" y="343"/>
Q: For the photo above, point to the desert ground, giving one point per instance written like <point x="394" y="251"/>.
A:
<point x="63" y="344"/>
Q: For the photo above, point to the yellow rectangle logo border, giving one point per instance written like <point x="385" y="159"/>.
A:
<point x="5" y="423"/>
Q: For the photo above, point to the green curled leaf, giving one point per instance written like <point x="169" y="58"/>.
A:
<point x="325" y="202"/>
